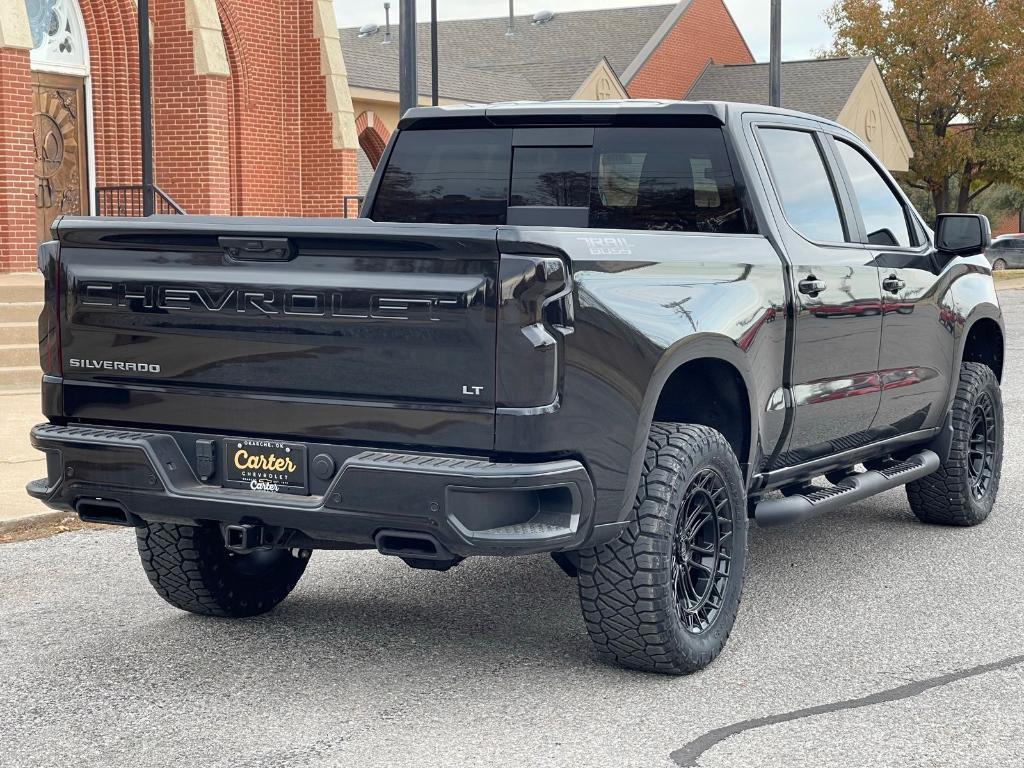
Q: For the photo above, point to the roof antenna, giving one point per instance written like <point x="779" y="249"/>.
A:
<point x="511" y="31"/>
<point x="387" y="24"/>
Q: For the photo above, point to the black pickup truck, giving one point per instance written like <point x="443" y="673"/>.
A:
<point x="612" y="332"/>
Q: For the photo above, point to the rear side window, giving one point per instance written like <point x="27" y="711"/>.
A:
<point x="803" y="184"/>
<point x="454" y="176"/>
<point x="673" y="179"/>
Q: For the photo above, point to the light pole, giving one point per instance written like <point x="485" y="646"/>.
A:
<point x="434" y="95"/>
<point x="775" y="65"/>
<point x="407" y="90"/>
<point x="146" y="109"/>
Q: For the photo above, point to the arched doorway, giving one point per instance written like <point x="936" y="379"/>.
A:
<point x="60" y="73"/>
<point x="373" y="136"/>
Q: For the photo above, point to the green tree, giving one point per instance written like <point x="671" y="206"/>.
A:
<point x="955" y="69"/>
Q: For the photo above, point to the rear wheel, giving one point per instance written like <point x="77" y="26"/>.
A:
<point x="663" y="597"/>
<point x="191" y="569"/>
<point x="963" y="490"/>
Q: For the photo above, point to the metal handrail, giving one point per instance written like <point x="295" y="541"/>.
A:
<point x="357" y="199"/>
<point x="127" y="200"/>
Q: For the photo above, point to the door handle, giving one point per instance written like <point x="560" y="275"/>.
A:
<point x="893" y="284"/>
<point x="811" y="286"/>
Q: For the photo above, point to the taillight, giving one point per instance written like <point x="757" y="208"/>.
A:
<point x="535" y="314"/>
<point x="48" y="260"/>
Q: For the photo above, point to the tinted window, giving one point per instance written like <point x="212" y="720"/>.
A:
<point x="558" y="176"/>
<point x="455" y="176"/>
<point x="803" y="184"/>
<point x="885" y="219"/>
<point x="676" y="179"/>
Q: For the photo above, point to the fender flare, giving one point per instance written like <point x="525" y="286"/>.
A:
<point x="696" y="347"/>
<point x="981" y="311"/>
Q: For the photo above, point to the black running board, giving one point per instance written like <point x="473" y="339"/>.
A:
<point x="856" y="487"/>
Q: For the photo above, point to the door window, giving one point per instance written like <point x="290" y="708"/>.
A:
<point x="803" y="184"/>
<point x="885" y="218"/>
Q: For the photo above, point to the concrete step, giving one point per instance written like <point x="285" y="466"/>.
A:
<point x="19" y="333"/>
<point x="20" y="312"/>
<point x="18" y="355"/>
<point x="20" y="378"/>
<point x="11" y="293"/>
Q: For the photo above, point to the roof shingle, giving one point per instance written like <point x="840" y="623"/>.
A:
<point x="478" y="62"/>
<point x="816" y="86"/>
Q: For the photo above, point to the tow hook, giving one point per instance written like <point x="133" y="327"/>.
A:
<point x="247" y="538"/>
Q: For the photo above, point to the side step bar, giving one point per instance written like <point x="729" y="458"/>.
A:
<point x="858" y="486"/>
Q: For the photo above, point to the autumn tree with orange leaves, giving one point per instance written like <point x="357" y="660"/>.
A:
<point x="955" y="69"/>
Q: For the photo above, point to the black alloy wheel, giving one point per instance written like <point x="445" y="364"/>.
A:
<point x="702" y="551"/>
<point x="981" y="451"/>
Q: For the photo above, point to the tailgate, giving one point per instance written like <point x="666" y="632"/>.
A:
<point x="329" y="329"/>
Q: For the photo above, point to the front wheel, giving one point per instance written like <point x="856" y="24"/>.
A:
<point x="191" y="569"/>
<point x="663" y="596"/>
<point x="999" y="265"/>
<point x="963" y="490"/>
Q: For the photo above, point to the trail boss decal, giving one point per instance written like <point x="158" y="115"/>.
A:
<point x="265" y="466"/>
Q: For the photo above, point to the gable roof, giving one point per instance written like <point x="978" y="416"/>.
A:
<point x="816" y="86"/>
<point x="478" y="62"/>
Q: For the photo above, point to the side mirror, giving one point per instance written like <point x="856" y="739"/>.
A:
<point x="962" y="234"/>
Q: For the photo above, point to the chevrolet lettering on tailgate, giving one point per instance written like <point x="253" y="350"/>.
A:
<point x="357" y="305"/>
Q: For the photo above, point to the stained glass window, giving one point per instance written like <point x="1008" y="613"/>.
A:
<point x="58" y="39"/>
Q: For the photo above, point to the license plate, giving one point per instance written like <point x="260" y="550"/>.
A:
<point x="265" y="466"/>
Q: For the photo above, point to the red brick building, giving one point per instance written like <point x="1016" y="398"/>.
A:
<point x="252" y="114"/>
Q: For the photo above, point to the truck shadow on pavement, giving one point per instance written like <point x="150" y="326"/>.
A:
<point x="358" y="609"/>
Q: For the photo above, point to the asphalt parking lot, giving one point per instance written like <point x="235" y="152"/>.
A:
<point x="864" y="639"/>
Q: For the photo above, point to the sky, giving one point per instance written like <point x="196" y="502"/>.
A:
<point x="803" y="31"/>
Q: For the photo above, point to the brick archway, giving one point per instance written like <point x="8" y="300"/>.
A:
<point x="373" y="136"/>
<point x="110" y="28"/>
<point x="238" y="102"/>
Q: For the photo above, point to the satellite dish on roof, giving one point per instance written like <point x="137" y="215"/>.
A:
<point x="368" y="30"/>
<point x="543" y="17"/>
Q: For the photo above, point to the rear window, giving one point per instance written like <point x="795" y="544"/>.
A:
<point x="454" y="176"/>
<point x="675" y="179"/>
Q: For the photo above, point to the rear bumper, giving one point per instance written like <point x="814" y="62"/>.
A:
<point x="472" y="506"/>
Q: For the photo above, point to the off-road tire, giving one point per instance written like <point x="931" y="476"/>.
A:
<point x="191" y="569"/>
<point x="627" y="587"/>
<point x="948" y="496"/>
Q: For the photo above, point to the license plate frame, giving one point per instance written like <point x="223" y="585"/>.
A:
<point x="265" y="466"/>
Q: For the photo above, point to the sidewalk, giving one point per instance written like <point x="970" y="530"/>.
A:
<point x="19" y="462"/>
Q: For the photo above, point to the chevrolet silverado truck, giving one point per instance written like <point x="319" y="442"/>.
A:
<point x="613" y="332"/>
